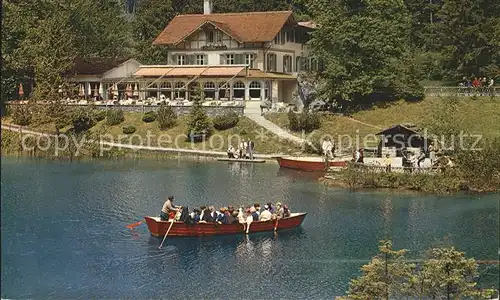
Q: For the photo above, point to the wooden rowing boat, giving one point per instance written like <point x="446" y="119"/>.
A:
<point x="242" y="160"/>
<point x="309" y="164"/>
<point x="158" y="227"/>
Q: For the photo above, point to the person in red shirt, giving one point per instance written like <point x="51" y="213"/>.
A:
<point x="476" y="82"/>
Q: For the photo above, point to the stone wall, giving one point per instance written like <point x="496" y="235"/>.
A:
<point x="179" y="110"/>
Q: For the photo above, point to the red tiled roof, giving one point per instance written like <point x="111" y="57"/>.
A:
<point x="245" y="27"/>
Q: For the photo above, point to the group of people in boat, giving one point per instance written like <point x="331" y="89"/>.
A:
<point x="225" y="215"/>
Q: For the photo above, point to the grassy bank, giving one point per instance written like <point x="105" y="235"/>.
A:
<point x="479" y="115"/>
<point x="445" y="181"/>
<point x="149" y="134"/>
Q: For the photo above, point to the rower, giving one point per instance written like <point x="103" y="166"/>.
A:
<point x="169" y="210"/>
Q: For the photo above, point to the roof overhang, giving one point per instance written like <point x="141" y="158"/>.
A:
<point x="189" y="71"/>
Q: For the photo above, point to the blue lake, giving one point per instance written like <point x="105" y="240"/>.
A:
<point x="64" y="235"/>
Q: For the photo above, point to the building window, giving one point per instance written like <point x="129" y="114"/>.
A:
<point x="209" y="90"/>
<point x="271" y="62"/>
<point x="254" y="90"/>
<point x="180" y="91"/>
<point x="223" y="90"/>
<point x="230" y="59"/>
<point x="298" y="64"/>
<point x="218" y="36"/>
<point x="278" y="39"/>
<point x="249" y="59"/>
<point x="239" y="90"/>
<point x="287" y="64"/>
<point x="181" y="60"/>
<point x="210" y="36"/>
<point x="200" y="59"/>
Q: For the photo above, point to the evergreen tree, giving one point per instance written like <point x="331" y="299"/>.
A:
<point x="468" y="33"/>
<point x="387" y="276"/>
<point x="199" y="123"/>
<point x="151" y="17"/>
<point x="365" y="49"/>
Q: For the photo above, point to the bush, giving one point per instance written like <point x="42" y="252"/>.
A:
<point x="149" y="117"/>
<point x="199" y="123"/>
<point x="83" y="120"/>
<point x="306" y="121"/>
<point x="21" y="114"/>
<point x="129" y="129"/>
<point x="226" y="121"/>
<point x="114" y="117"/>
<point x="166" y="117"/>
<point x="313" y="148"/>
<point x="99" y="115"/>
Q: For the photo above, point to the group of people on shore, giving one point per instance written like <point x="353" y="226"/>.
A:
<point x="225" y="215"/>
<point x="245" y="150"/>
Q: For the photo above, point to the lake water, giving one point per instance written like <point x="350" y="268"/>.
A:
<point x="64" y="235"/>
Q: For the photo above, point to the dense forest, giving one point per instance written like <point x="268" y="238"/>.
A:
<point x="368" y="48"/>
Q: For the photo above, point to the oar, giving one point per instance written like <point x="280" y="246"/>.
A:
<point x="166" y="233"/>
<point x="276" y="226"/>
<point x="133" y="225"/>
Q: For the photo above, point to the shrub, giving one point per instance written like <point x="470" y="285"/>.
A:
<point x="313" y="148"/>
<point x="114" y="117"/>
<point x="293" y="121"/>
<point x="226" y="121"/>
<point x="83" y="120"/>
<point x="149" y="117"/>
<point x="21" y="114"/>
<point x="166" y="117"/>
<point x="129" y="129"/>
<point x="306" y="121"/>
<point x="199" y="123"/>
<point x="99" y="115"/>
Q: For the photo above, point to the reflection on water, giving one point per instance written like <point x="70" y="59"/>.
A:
<point x="64" y="235"/>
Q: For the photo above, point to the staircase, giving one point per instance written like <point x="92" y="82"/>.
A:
<point x="252" y="111"/>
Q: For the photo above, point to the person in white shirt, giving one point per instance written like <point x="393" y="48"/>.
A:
<point x="230" y="151"/>
<point x="327" y="147"/>
<point x="266" y="214"/>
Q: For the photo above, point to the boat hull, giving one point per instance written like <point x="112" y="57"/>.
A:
<point x="180" y="229"/>
<point x="308" y="165"/>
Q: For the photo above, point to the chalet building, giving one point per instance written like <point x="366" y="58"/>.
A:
<point x="249" y="57"/>
<point x="104" y="77"/>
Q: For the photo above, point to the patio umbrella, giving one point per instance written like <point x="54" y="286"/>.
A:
<point x="21" y="90"/>
<point x="96" y="91"/>
<point x="136" y="90"/>
<point x="101" y="89"/>
<point x="82" y="91"/>
<point x="115" y="89"/>
<point x="129" y="90"/>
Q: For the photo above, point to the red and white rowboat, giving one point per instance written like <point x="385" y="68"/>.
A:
<point x="308" y="163"/>
<point x="158" y="227"/>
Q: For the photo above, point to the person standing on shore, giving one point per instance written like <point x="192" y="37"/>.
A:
<point x="327" y="148"/>
<point x="250" y="146"/>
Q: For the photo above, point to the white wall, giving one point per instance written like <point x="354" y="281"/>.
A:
<point x="124" y="70"/>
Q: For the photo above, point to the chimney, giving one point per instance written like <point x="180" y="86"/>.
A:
<point x="207" y="7"/>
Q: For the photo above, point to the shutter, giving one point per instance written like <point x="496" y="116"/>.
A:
<point x="191" y="59"/>
<point x="173" y="59"/>
<point x="222" y="60"/>
<point x="205" y="59"/>
<point x="240" y="59"/>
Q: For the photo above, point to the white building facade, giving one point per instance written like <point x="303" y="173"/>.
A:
<point x="236" y="56"/>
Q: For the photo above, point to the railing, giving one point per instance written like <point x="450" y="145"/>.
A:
<point x="462" y="91"/>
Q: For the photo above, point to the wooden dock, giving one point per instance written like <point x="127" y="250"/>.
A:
<point x="243" y="160"/>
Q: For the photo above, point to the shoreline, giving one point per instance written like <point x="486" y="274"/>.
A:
<point x="194" y="153"/>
